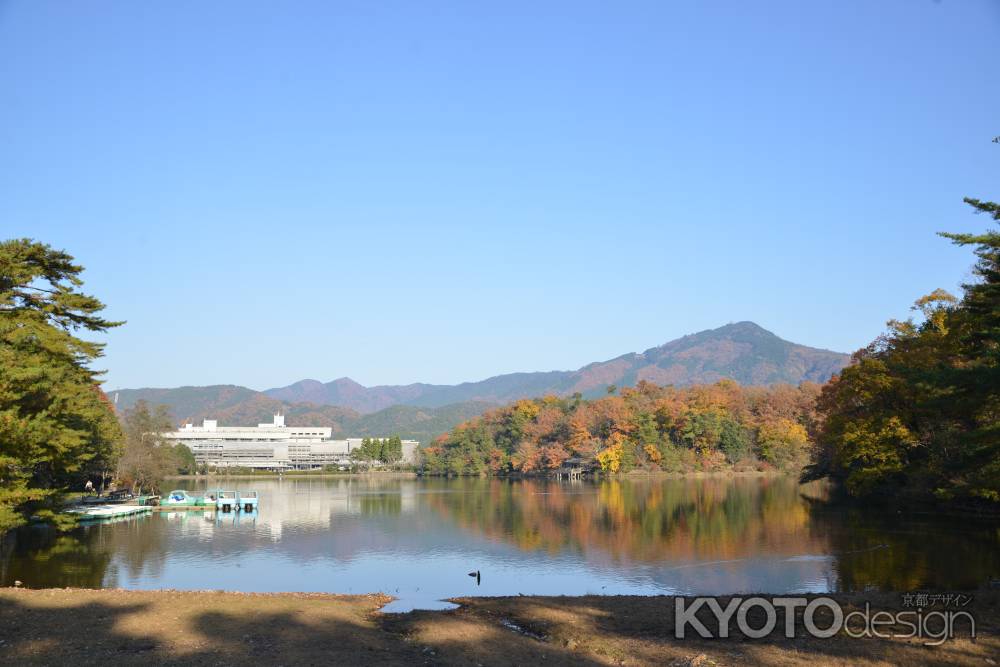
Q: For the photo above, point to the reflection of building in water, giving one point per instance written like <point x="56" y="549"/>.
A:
<point x="271" y="446"/>
<point x="316" y="506"/>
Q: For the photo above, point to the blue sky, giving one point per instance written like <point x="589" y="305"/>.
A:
<point x="443" y="191"/>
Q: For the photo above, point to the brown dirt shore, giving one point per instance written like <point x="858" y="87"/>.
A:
<point x="101" y="627"/>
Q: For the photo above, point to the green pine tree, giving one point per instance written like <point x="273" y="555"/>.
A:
<point x="56" y="426"/>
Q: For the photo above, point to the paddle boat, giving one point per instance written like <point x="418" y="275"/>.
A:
<point x="247" y="500"/>
<point x="227" y="500"/>
<point x="183" y="498"/>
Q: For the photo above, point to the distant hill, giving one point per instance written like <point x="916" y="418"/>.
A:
<point x="423" y="424"/>
<point x="233" y="406"/>
<point x="744" y="351"/>
<point x="216" y="402"/>
<point x="347" y="392"/>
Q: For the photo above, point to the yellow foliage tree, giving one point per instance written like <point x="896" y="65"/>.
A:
<point x="783" y="443"/>
<point x="610" y="458"/>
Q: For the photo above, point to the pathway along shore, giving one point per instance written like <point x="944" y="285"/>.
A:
<point x="101" y="627"/>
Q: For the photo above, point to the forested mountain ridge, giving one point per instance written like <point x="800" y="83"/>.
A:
<point x="742" y="351"/>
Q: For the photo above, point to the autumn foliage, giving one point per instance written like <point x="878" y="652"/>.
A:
<point x="916" y="417"/>
<point x="706" y="427"/>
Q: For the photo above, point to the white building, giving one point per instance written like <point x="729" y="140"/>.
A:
<point x="272" y="446"/>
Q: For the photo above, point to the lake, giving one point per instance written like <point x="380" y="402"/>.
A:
<point x="418" y="539"/>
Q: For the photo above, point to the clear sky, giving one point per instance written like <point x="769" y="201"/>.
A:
<point x="444" y="191"/>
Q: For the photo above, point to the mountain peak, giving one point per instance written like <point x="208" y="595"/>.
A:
<point x="745" y="325"/>
<point x="744" y="328"/>
<point x="344" y="382"/>
<point x="308" y="382"/>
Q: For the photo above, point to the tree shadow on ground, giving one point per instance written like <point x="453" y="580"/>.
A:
<point x="101" y="627"/>
<point x="189" y="629"/>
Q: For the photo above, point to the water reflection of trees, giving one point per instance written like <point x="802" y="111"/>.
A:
<point x="639" y="520"/>
<point x="381" y="503"/>
<point x="87" y="557"/>
<point x="44" y="558"/>
<point x="686" y="520"/>
<point x="906" y="552"/>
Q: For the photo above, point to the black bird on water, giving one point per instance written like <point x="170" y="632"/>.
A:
<point x="476" y="575"/>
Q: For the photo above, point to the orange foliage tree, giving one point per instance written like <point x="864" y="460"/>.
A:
<point x="648" y="427"/>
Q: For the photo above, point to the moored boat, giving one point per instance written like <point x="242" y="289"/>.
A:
<point x="97" y="512"/>
<point x="182" y="497"/>
<point x="227" y="501"/>
<point x="247" y="500"/>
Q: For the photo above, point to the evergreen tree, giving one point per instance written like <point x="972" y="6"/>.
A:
<point x="375" y="449"/>
<point x="392" y="450"/>
<point x="56" y="426"/>
<point x="361" y="453"/>
<point x="976" y="377"/>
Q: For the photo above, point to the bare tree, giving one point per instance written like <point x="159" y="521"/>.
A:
<point x="147" y="456"/>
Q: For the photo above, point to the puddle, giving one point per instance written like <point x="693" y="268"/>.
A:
<point x="511" y="625"/>
<point x="402" y="605"/>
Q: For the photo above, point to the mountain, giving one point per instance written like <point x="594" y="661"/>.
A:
<point x="190" y="402"/>
<point x="423" y="424"/>
<point x="345" y="391"/>
<point x="743" y="351"/>
<point x="233" y="406"/>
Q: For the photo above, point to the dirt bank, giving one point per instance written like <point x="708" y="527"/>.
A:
<point x="91" y="627"/>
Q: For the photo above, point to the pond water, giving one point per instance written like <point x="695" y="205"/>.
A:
<point x="418" y="539"/>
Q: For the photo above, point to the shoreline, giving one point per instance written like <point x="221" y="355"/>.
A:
<point x="134" y="627"/>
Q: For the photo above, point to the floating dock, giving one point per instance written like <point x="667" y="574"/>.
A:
<point x="183" y="508"/>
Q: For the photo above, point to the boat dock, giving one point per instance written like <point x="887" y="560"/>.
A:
<point x="91" y="509"/>
<point x="183" y="508"/>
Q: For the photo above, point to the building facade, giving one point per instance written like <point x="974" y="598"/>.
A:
<point x="271" y="446"/>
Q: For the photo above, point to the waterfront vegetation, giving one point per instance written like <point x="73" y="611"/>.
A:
<point x="701" y="428"/>
<point x="385" y="451"/>
<point x="147" y="457"/>
<point x="56" y="426"/>
<point x="917" y="415"/>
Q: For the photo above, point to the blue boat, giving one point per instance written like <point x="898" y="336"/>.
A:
<point x="227" y="500"/>
<point x="247" y="500"/>
<point x="181" y="497"/>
